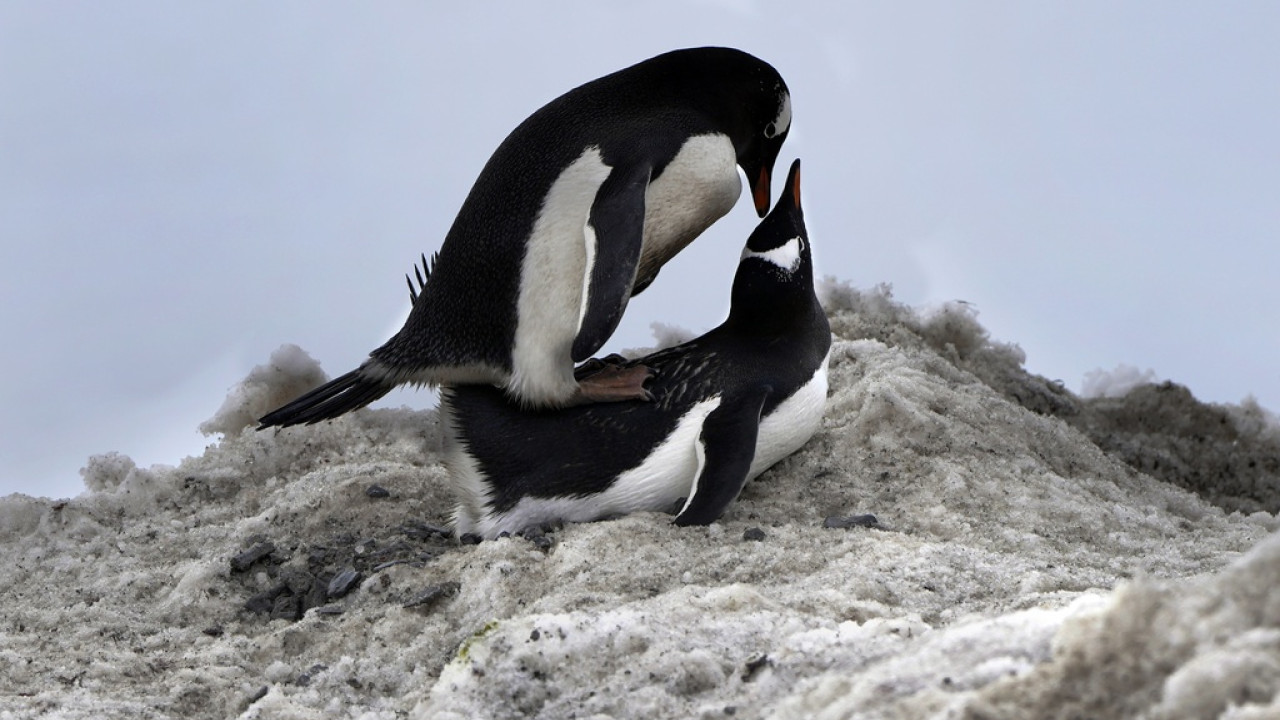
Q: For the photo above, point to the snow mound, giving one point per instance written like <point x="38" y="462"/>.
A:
<point x="289" y="373"/>
<point x="664" y="336"/>
<point x="1204" y="648"/>
<point x="1017" y="567"/>
<point x="1115" y="383"/>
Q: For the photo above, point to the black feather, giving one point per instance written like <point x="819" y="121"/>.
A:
<point x="340" y="395"/>
<point x="423" y="274"/>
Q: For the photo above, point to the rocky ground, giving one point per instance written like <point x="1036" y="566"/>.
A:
<point x="960" y="540"/>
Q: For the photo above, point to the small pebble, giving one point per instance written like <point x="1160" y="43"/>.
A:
<point x="317" y="594"/>
<point x="754" y="664"/>
<point x="433" y="593"/>
<point x="298" y="580"/>
<point x="469" y="539"/>
<point x="287" y="607"/>
<point x="377" y="492"/>
<point x="264" y="601"/>
<point x="342" y="583"/>
<point x="215" y="631"/>
<point x="261" y="693"/>
<point x="852" y="521"/>
<point x="753" y="533"/>
<point x="537" y="538"/>
<point x="305" y="678"/>
<point x="246" y="559"/>
<point x="424" y="531"/>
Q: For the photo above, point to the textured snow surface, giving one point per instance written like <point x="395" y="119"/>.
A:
<point x="1018" y="569"/>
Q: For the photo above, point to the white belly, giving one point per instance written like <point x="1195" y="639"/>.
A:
<point x="551" y="285"/>
<point x="699" y="186"/>
<point x="792" y="423"/>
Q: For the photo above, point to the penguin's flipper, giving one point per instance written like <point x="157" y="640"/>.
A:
<point x="336" y="397"/>
<point x="615" y="232"/>
<point x="726" y="447"/>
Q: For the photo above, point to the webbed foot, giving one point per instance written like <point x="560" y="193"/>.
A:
<point x="611" y="380"/>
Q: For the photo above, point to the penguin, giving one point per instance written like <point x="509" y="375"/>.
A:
<point x="726" y="406"/>
<point x="576" y="212"/>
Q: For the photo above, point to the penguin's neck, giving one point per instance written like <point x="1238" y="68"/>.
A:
<point x="767" y="307"/>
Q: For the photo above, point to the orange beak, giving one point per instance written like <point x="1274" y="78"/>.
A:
<point x="760" y="192"/>
<point x="795" y="188"/>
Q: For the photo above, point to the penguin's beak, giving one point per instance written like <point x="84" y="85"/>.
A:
<point x="760" y="191"/>
<point x="795" y="182"/>
<point x="790" y="198"/>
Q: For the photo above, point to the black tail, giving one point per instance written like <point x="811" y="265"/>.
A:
<point x="340" y="395"/>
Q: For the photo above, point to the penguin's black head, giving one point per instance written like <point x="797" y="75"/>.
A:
<point x="771" y="123"/>
<point x="775" y="276"/>
<point x="765" y="104"/>
<point x="751" y="103"/>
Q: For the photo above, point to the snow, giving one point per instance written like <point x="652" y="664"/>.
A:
<point x="1115" y="383"/>
<point x="1037" y="555"/>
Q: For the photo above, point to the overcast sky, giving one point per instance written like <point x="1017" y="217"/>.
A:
<point x="186" y="186"/>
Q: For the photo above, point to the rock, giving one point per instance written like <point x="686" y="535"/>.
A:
<point x="264" y="601"/>
<point x="287" y="606"/>
<point x="342" y="583"/>
<point x="246" y="559"/>
<point x="852" y="521"/>
<point x="433" y="593"/>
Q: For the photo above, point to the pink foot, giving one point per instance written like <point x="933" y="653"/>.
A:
<point x="605" y="381"/>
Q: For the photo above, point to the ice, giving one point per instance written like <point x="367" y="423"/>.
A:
<point x="1037" y="555"/>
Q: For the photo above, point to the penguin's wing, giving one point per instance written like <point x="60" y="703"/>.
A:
<point x="726" y="448"/>
<point x="614" y="234"/>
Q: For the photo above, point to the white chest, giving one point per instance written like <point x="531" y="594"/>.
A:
<point x="792" y="423"/>
<point x="699" y="186"/>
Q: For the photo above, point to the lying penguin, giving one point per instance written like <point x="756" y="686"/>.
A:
<point x="725" y="407"/>
<point x="576" y="211"/>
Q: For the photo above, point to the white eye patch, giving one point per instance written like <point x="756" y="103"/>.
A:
<point x="783" y="121"/>
<point x="786" y="256"/>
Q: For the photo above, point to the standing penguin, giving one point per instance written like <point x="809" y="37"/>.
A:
<point x="726" y="406"/>
<point x="576" y="211"/>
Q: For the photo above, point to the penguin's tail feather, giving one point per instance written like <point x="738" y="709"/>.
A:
<point x="336" y="397"/>
<point x="423" y="273"/>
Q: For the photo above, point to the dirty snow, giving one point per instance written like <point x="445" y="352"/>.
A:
<point x="1037" y="555"/>
<point x="1115" y="383"/>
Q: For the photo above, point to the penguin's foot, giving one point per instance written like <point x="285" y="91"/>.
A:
<point x="592" y="366"/>
<point x="609" y="381"/>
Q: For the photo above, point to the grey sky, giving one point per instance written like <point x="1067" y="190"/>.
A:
<point x="184" y="187"/>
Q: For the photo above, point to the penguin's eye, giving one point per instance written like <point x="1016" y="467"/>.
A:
<point x="780" y="123"/>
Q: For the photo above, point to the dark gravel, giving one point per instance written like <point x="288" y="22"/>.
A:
<point x="852" y="521"/>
